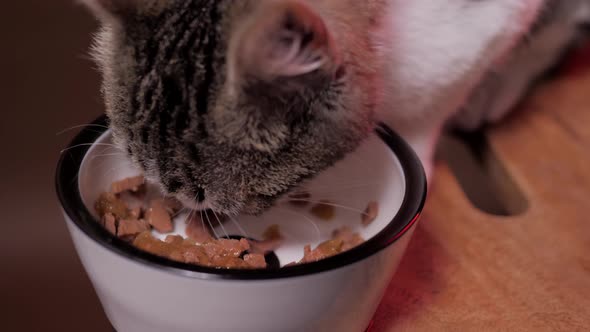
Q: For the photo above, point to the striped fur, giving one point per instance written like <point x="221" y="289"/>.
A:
<point x="233" y="145"/>
<point x="210" y="98"/>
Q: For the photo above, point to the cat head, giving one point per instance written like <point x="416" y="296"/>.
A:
<point x="229" y="104"/>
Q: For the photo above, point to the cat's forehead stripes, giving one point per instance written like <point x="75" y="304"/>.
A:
<point x="177" y="63"/>
<point x="239" y="141"/>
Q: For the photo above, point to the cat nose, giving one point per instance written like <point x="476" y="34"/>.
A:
<point x="200" y="195"/>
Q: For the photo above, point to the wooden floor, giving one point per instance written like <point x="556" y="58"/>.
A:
<point x="466" y="270"/>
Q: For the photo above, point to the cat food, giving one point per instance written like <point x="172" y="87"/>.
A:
<point x="109" y="203"/>
<point x="133" y="184"/>
<point x="323" y="210"/>
<point x="124" y="213"/>
<point x="130" y="227"/>
<point x="343" y="239"/>
<point x="135" y="213"/>
<point x="370" y="213"/>
<point x="255" y="261"/>
<point x="159" y="216"/>
<point x="172" y="205"/>
<point x="349" y="238"/>
<point x="197" y="231"/>
<point x="109" y="222"/>
<point x="273" y="232"/>
<point x="272" y="240"/>
<point x="209" y="216"/>
<point x="225" y="253"/>
<point x="135" y="224"/>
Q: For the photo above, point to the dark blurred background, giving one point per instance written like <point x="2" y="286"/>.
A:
<point x="47" y="84"/>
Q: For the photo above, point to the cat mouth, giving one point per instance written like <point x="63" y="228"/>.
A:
<point x="192" y="204"/>
<point x="252" y="206"/>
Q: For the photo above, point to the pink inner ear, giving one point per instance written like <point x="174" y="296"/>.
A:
<point x="273" y="48"/>
<point x="295" y="58"/>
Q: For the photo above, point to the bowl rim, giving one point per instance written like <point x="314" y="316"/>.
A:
<point x="66" y="182"/>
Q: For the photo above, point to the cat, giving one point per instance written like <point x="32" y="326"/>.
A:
<point x="230" y="104"/>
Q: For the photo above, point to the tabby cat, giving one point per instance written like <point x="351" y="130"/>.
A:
<point x="230" y="104"/>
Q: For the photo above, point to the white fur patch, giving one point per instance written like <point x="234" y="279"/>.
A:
<point x="435" y="52"/>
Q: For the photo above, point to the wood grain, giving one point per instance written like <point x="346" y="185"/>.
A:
<point x="466" y="270"/>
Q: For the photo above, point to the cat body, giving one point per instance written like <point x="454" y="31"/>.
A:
<point x="230" y="104"/>
<point x="470" y="61"/>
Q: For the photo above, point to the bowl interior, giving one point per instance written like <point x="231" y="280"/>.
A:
<point x="372" y="173"/>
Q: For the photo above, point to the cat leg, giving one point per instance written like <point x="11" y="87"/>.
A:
<point x="505" y="85"/>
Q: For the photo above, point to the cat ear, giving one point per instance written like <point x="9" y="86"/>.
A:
<point x="109" y="9"/>
<point x="104" y="9"/>
<point x="284" y="39"/>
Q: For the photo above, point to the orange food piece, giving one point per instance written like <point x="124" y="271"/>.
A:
<point x="158" y="216"/>
<point x="323" y="210"/>
<point x="133" y="184"/>
<point x="272" y="239"/>
<point x="273" y="232"/>
<point x="110" y="203"/>
<point x="348" y="237"/>
<point x="110" y="223"/>
<point x="226" y="247"/>
<point x="134" y="213"/>
<point x="264" y="247"/>
<point x="130" y="227"/>
<point x="323" y="250"/>
<point x="222" y="253"/>
<point x="172" y="205"/>
<point x="123" y="213"/>
<point x="370" y="214"/>
<point x="197" y="230"/>
<point x="255" y="260"/>
<point x="343" y="239"/>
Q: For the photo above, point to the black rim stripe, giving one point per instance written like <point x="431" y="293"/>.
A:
<point x="71" y="201"/>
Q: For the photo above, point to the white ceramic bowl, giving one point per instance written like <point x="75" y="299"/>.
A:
<point x="141" y="292"/>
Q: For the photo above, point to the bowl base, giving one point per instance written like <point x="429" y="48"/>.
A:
<point x="367" y="330"/>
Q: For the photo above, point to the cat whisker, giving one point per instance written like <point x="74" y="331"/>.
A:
<point x="330" y="204"/>
<point x="80" y="126"/>
<point x="113" y="148"/>
<point x="313" y="223"/>
<point x="181" y="211"/>
<point x="338" y="190"/>
<point x="108" y="155"/>
<point x="210" y="224"/>
<point x="203" y="222"/>
<point x="113" y="169"/>
<point x="347" y="185"/>
<point x="87" y="144"/>
<point x="90" y="130"/>
<point x="242" y="230"/>
<point x="189" y="218"/>
<point x="220" y="224"/>
<point x="194" y="212"/>
<point x="101" y="163"/>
